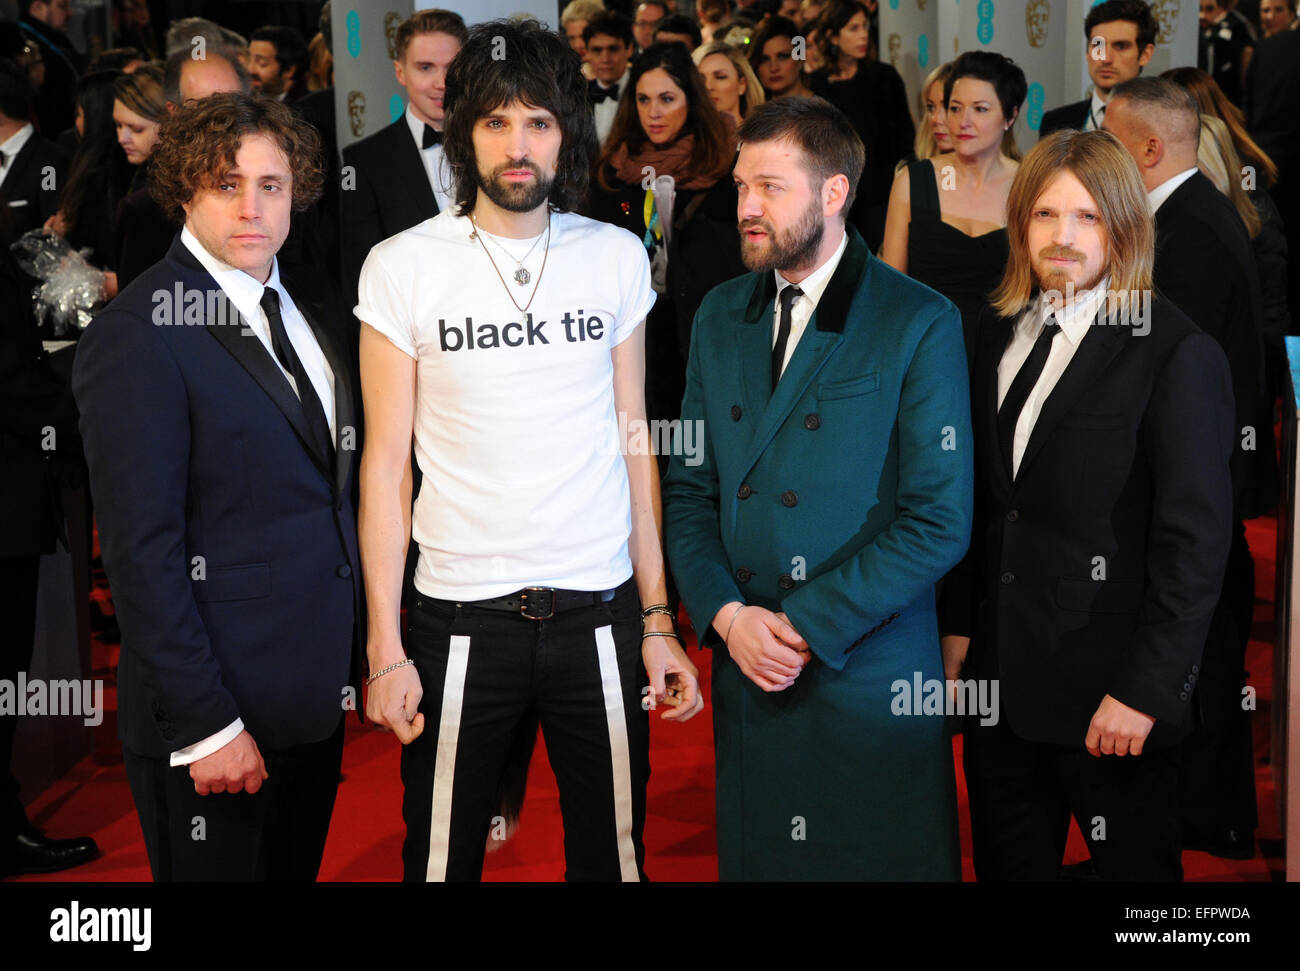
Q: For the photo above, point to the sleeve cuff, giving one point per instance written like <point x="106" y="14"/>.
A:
<point x="205" y="747"/>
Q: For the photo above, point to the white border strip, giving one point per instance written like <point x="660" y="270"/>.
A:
<point x="444" y="766"/>
<point x="612" y="686"/>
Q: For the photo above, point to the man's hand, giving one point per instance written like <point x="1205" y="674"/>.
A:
<point x="764" y="645"/>
<point x="57" y="224"/>
<point x="674" y="680"/>
<point x="1117" y="729"/>
<point x="953" y="648"/>
<point x="393" y="702"/>
<point x="235" y="767"/>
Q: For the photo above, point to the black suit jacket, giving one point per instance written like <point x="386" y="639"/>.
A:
<point x="1098" y="569"/>
<point x="391" y="193"/>
<point x="197" y="447"/>
<point x="1205" y="265"/>
<point x="1071" y="116"/>
<point x="30" y="192"/>
<point x="1272" y="92"/>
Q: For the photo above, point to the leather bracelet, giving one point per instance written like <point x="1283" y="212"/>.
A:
<point x="732" y="622"/>
<point x="656" y="609"/>
<point x="392" y="667"/>
<point x="663" y="633"/>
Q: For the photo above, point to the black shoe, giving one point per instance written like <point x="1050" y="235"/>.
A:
<point x="32" y="852"/>
<point x="1229" y="844"/>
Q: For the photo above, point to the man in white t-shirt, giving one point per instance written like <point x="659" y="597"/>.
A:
<point x="506" y="336"/>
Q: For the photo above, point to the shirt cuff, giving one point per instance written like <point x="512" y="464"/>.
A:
<point x="205" y="747"/>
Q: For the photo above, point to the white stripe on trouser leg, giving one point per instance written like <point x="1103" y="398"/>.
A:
<point x="444" y="764"/>
<point x="612" y="686"/>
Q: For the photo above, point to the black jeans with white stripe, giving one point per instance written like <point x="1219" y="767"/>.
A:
<point x="485" y="673"/>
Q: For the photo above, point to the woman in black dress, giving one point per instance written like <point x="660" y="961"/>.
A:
<point x="871" y="94"/>
<point x="665" y="175"/>
<point x="947" y="214"/>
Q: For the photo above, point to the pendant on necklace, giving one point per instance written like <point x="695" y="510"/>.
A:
<point x="522" y="277"/>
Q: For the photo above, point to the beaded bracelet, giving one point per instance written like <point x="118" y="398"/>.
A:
<point x="391" y="667"/>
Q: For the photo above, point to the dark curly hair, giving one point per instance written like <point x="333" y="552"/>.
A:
<point x="197" y="146"/>
<point x="505" y="61"/>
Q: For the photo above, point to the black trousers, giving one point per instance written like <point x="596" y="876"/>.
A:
<point x="1023" y="793"/>
<point x="485" y="673"/>
<point x="19" y="578"/>
<point x="1218" y="774"/>
<point x="276" y="834"/>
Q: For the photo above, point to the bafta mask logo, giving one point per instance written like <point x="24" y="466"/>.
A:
<point x="921" y="4"/>
<point x="895" y="48"/>
<point x="1166" y="14"/>
<point x="1037" y="13"/>
<point x="356" y="113"/>
<point x="391" y="22"/>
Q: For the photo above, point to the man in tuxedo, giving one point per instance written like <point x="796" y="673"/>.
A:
<point x="398" y="177"/>
<point x="610" y="47"/>
<point x="219" y="412"/>
<point x="831" y="493"/>
<point x="1205" y="266"/>
<point x="1121" y="40"/>
<point x="1226" y="46"/>
<point x="43" y="22"/>
<point x="278" y="61"/>
<point x="1103" y="427"/>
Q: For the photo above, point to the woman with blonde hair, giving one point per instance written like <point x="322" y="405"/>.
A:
<point x="729" y="79"/>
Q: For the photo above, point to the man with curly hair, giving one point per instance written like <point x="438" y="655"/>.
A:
<point x="219" y="411"/>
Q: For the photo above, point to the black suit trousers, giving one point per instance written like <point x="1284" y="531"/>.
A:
<point x="19" y="577"/>
<point x="1023" y="793"/>
<point x="276" y="834"/>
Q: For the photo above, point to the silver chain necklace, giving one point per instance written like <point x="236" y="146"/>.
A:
<point x="521" y="275"/>
<point x="476" y="234"/>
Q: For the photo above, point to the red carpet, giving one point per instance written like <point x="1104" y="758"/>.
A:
<point x="366" y="834"/>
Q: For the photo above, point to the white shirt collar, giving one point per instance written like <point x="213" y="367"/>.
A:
<point x="621" y="82"/>
<point x="12" y="145"/>
<point x="416" y="126"/>
<point x="1097" y="109"/>
<point x="815" y="283"/>
<point x="1074" y="319"/>
<point x="1161" y="193"/>
<point x="244" y="291"/>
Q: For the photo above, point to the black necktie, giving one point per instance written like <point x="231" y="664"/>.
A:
<point x="284" y="351"/>
<point x="1018" y="393"/>
<point x="787" y="299"/>
<point x="599" y="93"/>
<point x="431" y="137"/>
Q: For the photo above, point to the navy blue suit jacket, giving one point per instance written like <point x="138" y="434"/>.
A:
<point x="198" y="448"/>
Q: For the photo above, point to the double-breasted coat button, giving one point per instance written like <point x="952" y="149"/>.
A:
<point x="744" y="492"/>
<point x="789" y="498"/>
<point x="812" y="422"/>
<point x="344" y="572"/>
<point x="743" y="575"/>
<point x="1196" y="669"/>
<point x="1012" y="515"/>
<point x="1008" y="578"/>
<point x="1182" y="696"/>
<point x="785" y="581"/>
<point x="735" y="412"/>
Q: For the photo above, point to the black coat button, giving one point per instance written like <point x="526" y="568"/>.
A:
<point x="785" y="581"/>
<point x="812" y="422"/>
<point x="744" y="492"/>
<point x="1182" y="696"/>
<point x="1191" y="679"/>
<point x="1196" y="669"/>
<point x="743" y="575"/>
<point x="736" y="412"/>
<point x="789" y="498"/>
<point x="1187" y="687"/>
<point x="344" y="571"/>
<point x="1008" y="578"/>
<point x="1012" y="515"/>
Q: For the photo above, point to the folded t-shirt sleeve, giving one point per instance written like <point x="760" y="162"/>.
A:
<point x="383" y="305"/>
<point x="638" y="295"/>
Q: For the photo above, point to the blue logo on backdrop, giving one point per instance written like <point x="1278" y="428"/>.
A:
<point x="395" y="107"/>
<point x="354" y="33"/>
<point x="923" y="50"/>
<point x="1035" y="99"/>
<point x="984" y="28"/>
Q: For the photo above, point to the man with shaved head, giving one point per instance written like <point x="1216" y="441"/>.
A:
<point x="186" y="77"/>
<point x="1205" y="266"/>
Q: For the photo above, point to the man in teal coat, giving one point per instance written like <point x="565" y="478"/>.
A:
<point x="833" y="490"/>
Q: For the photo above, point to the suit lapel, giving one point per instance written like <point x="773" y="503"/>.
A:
<point x="754" y="345"/>
<point x="411" y="172"/>
<point x="1099" y="347"/>
<point x="994" y="340"/>
<point x="245" y="347"/>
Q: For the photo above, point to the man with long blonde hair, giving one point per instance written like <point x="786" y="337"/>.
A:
<point x="1103" y="423"/>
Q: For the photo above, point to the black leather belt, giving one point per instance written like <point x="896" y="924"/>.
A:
<point x="543" y="603"/>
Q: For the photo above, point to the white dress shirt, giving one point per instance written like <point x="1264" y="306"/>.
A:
<point x="245" y="293"/>
<point x="801" y="311"/>
<point x="1096" y="113"/>
<point x="1165" y="189"/>
<point x="1075" y="321"/>
<point x="606" y="110"/>
<point x="11" y="146"/>
<point x="435" y="164"/>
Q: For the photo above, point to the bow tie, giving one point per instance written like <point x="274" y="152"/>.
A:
<point x="431" y="137"/>
<point x="599" y="94"/>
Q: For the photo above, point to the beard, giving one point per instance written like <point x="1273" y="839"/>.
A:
<point x="516" y="196"/>
<point x="1051" y="278"/>
<point x="785" y="250"/>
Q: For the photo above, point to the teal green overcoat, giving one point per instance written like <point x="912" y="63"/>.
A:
<point x="841" y="499"/>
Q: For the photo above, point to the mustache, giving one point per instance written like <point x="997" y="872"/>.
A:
<point x="757" y="224"/>
<point x="1061" y="253"/>
<point x="501" y="170"/>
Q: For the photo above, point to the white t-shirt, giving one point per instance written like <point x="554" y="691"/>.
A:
<point x="515" y="426"/>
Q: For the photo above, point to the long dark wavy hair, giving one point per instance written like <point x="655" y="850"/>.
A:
<point x="98" y="166"/>
<point x="713" y="146"/>
<point x="504" y="62"/>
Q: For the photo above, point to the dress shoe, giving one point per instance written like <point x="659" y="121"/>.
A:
<point x="1229" y="844"/>
<point x="32" y="852"/>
